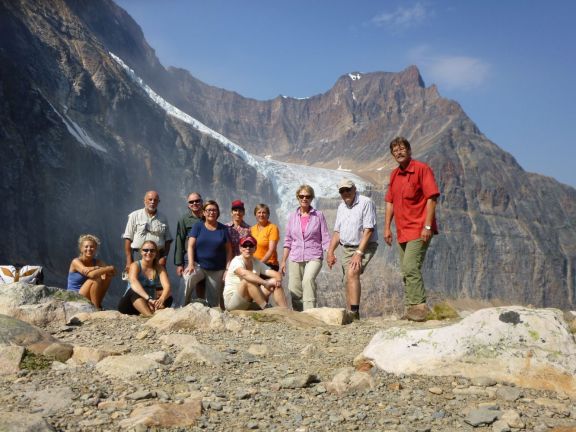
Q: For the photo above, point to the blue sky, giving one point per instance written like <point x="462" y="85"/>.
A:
<point x="511" y="64"/>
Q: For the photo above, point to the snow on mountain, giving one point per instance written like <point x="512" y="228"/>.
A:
<point x="286" y="177"/>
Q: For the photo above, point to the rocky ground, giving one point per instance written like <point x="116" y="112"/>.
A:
<point x="270" y="375"/>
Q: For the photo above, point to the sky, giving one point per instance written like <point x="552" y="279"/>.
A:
<point x="510" y="64"/>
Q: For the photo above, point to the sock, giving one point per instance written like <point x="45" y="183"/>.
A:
<point x="355" y="308"/>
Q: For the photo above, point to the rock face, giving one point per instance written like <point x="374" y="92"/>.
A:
<point x="529" y="347"/>
<point x="85" y="142"/>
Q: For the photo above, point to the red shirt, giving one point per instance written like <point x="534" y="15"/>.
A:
<point x="408" y="191"/>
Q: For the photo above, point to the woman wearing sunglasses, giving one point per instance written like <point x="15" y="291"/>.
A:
<point x="148" y="284"/>
<point x="209" y="253"/>
<point x="244" y="288"/>
<point x="306" y="239"/>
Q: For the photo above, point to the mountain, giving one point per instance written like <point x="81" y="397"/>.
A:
<point x="85" y="137"/>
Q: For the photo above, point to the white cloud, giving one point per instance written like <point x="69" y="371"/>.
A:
<point x="402" y="17"/>
<point x="451" y="72"/>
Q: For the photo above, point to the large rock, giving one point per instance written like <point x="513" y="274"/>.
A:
<point x="20" y="333"/>
<point x="10" y="358"/>
<point x="193" y="316"/>
<point x="41" y="304"/>
<point x="332" y="316"/>
<point x="166" y="415"/>
<point x="126" y="366"/>
<point x="17" y="422"/>
<point x="528" y="347"/>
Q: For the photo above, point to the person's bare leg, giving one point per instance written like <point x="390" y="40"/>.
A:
<point x="253" y="293"/>
<point x="353" y="287"/>
<point x="280" y="297"/>
<point x="87" y="288"/>
<point x="141" y="306"/>
<point x="99" y="291"/>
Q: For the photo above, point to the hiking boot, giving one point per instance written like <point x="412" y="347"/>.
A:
<point x="355" y="316"/>
<point x="417" y="313"/>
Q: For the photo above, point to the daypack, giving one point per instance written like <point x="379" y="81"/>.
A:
<point x="31" y="274"/>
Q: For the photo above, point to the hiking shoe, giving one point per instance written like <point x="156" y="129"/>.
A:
<point x="355" y="316"/>
<point x="268" y="306"/>
<point x="417" y="313"/>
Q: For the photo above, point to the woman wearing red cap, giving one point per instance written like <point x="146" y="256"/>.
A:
<point x="244" y="287"/>
<point x="237" y="228"/>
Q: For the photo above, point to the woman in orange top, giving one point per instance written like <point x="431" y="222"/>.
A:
<point x="267" y="235"/>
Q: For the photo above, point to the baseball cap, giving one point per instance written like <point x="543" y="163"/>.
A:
<point x="247" y="239"/>
<point x="346" y="183"/>
<point x="237" y="204"/>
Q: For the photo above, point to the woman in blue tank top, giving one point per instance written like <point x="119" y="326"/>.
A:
<point x="87" y="275"/>
<point x="148" y="284"/>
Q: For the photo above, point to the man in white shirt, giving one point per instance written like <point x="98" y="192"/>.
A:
<point x="355" y="229"/>
<point x="147" y="224"/>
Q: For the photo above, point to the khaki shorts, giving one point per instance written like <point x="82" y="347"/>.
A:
<point x="349" y="251"/>
<point x="237" y="302"/>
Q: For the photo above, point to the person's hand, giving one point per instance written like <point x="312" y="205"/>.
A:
<point x="151" y="304"/>
<point x="179" y="270"/>
<point x="388" y="236"/>
<point x="283" y="268"/>
<point x="426" y="235"/>
<point x="162" y="261"/>
<point x="127" y="267"/>
<point x="159" y="303"/>
<point x="356" y="262"/>
<point x="189" y="270"/>
<point x="330" y="260"/>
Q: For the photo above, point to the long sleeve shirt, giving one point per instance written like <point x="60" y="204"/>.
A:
<point x="310" y="244"/>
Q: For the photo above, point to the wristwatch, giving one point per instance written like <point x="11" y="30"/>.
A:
<point x="427" y="227"/>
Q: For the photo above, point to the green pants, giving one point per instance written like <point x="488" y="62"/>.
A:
<point x="412" y="255"/>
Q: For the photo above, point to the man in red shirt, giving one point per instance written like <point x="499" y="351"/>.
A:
<point x="411" y="199"/>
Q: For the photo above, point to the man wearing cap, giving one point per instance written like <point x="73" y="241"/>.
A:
<point x="355" y="229"/>
<point x="411" y="201"/>
<point x="237" y="228"/>
<point x="192" y="216"/>
<point x="244" y="287"/>
<point x="147" y="224"/>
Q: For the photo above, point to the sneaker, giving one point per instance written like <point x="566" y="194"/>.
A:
<point x="267" y="306"/>
<point x="416" y="313"/>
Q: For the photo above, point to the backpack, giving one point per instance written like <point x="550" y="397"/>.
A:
<point x="31" y="274"/>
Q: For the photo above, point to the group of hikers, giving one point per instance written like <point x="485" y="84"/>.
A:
<point x="235" y="266"/>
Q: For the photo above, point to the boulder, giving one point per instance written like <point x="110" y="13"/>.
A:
<point x="126" y="366"/>
<point x="167" y="415"/>
<point x="39" y="304"/>
<point x="200" y="354"/>
<point x="331" y="316"/>
<point x="15" y="421"/>
<point x="530" y="348"/>
<point x="193" y="316"/>
<point x="348" y="380"/>
<point x="20" y="333"/>
<point x="10" y="358"/>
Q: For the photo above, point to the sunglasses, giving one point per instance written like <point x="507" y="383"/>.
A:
<point x="344" y="190"/>
<point x="195" y="201"/>
<point x="211" y="210"/>
<point x="149" y="250"/>
<point x="248" y="245"/>
<point x="305" y="196"/>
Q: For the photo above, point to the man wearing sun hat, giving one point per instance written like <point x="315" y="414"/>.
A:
<point x="244" y="288"/>
<point x="355" y="229"/>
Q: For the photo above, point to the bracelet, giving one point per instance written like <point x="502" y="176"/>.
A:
<point x="359" y="252"/>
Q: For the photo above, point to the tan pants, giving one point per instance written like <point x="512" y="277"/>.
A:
<point x="302" y="283"/>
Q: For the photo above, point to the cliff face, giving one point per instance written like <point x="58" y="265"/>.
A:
<point x="84" y="143"/>
<point x="81" y="143"/>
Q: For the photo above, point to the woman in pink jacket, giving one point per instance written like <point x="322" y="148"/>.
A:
<point x="306" y="240"/>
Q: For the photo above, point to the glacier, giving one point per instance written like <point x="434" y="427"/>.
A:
<point x="285" y="177"/>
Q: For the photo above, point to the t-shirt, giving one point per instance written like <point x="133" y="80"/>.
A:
<point x="210" y="248"/>
<point x="232" y="280"/>
<point x="263" y="236"/>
